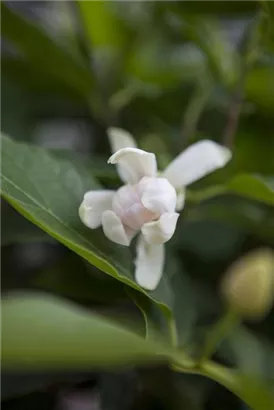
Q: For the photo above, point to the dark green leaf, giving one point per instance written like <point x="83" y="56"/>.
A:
<point x="43" y="53"/>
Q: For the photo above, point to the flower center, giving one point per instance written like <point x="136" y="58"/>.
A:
<point x="128" y="206"/>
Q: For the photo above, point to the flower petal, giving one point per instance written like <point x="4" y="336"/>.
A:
<point x="149" y="264"/>
<point x="162" y="230"/>
<point x="94" y="203"/>
<point x="180" y="202"/>
<point x="195" y="162"/>
<point x="119" y="139"/>
<point x="157" y="195"/>
<point x="138" y="163"/>
<point x="115" y="230"/>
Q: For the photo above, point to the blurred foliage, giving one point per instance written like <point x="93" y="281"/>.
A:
<point x="171" y="73"/>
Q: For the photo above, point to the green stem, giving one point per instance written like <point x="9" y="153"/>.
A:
<point x="173" y="332"/>
<point x="207" y="193"/>
<point x="219" y="331"/>
<point x="194" y="110"/>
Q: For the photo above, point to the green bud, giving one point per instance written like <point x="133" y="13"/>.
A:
<point x="248" y="285"/>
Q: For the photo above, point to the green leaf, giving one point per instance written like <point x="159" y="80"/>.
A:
<point x="48" y="192"/>
<point x="42" y="332"/>
<point x="43" y="53"/>
<point x="103" y="27"/>
<point x="259" y="87"/>
<point x="254" y="187"/>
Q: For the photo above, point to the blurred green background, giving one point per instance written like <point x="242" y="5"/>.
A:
<point x="171" y="73"/>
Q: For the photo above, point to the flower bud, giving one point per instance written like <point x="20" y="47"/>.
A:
<point x="248" y="284"/>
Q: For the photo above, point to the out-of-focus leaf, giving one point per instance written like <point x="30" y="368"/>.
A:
<point x="254" y="187"/>
<point x="98" y="167"/>
<point x="43" y="53"/>
<point x="34" y="79"/>
<point x="70" y="279"/>
<point x="254" y="149"/>
<point x="42" y="332"/>
<point x="16" y="111"/>
<point x="220" y="7"/>
<point x="222" y="58"/>
<point x="156" y="62"/>
<point x="252" y="390"/>
<point x="252" y="354"/>
<point x="103" y="26"/>
<point x="17" y="229"/>
<point x="268" y="8"/>
<point x="48" y="192"/>
<point x="259" y="87"/>
<point x="209" y="240"/>
<point x="255" y="218"/>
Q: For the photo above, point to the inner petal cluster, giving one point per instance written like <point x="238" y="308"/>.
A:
<point x="128" y="207"/>
<point x="144" y="202"/>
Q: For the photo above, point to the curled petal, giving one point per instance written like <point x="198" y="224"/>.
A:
<point x="149" y="264"/>
<point x="119" y="139"/>
<point x="162" y="230"/>
<point x="195" y="162"/>
<point x="157" y="195"/>
<point x="180" y="202"/>
<point x="115" y="230"/>
<point x="93" y="205"/>
<point x="138" y="163"/>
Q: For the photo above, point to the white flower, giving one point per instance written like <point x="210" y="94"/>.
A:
<point x="147" y="203"/>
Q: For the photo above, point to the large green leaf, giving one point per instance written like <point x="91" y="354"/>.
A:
<point x="48" y="192"/>
<point x="43" y="53"/>
<point x="42" y="332"/>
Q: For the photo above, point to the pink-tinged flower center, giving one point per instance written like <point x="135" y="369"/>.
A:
<point x="127" y="205"/>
